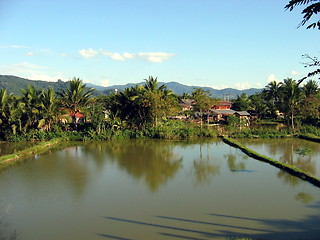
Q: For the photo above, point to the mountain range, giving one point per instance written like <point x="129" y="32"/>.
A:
<point x="13" y="85"/>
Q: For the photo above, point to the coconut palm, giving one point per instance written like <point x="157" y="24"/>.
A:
<point x="158" y="99"/>
<point x="310" y="89"/>
<point x="49" y="108"/>
<point x="291" y="98"/>
<point x="272" y="91"/>
<point x="74" y="97"/>
<point x="4" y="99"/>
<point x="30" y="105"/>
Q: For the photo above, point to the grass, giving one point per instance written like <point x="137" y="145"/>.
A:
<point x="288" y="168"/>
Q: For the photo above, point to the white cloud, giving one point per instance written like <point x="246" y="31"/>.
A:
<point x="88" y="53"/>
<point x="219" y="87"/>
<point x="29" y="54"/>
<point x="30" y="71"/>
<point x="12" y="46"/>
<point x="156" y="57"/>
<point x="259" y="85"/>
<point x="18" y="46"/>
<point x="117" y="56"/>
<point x="105" y="83"/>
<point x="272" y="77"/>
<point x="128" y="55"/>
<point x="294" y="73"/>
<point x="243" y="85"/>
<point x="105" y="53"/>
<point x="64" y="55"/>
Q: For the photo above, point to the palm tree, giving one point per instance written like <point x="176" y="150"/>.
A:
<point x="157" y="99"/>
<point x="30" y="105"/>
<point x="272" y="91"/>
<point x="291" y="98"/>
<point x="310" y="89"/>
<point x="75" y="98"/>
<point x="4" y="99"/>
<point x="49" y="108"/>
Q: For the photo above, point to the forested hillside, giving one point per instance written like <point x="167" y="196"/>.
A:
<point x="13" y="85"/>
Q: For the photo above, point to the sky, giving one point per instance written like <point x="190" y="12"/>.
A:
<point x="238" y="44"/>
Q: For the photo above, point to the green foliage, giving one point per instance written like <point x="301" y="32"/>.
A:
<point x="242" y="103"/>
<point x="303" y="151"/>
<point x="260" y="133"/>
<point x="140" y="106"/>
<point x="312" y="8"/>
<point x="233" y="121"/>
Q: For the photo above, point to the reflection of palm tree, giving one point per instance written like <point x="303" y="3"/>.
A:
<point x="204" y="168"/>
<point x="232" y="163"/>
<point x="152" y="161"/>
<point x="304" y="197"/>
<point x="288" y="178"/>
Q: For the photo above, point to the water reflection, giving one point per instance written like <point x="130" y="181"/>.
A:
<point x="152" y="161"/>
<point x="204" y="167"/>
<point x="233" y="165"/>
<point x="287" y="150"/>
<point x="106" y="190"/>
<point x="12" y="147"/>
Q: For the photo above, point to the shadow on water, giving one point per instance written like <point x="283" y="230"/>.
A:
<point x="210" y="234"/>
<point x="307" y="228"/>
<point x="113" y="237"/>
<point x="210" y="223"/>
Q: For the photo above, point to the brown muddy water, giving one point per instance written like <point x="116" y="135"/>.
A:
<point x="154" y="189"/>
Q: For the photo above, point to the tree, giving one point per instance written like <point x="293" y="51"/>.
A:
<point x="203" y="102"/>
<point x="30" y="105"/>
<point x="75" y="98"/>
<point x="310" y="105"/>
<point x="311" y="88"/>
<point x="259" y="105"/>
<point x="49" y="108"/>
<point x="4" y="100"/>
<point x="291" y="99"/>
<point x="143" y="104"/>
<point x="242" y="103"/>
<point x="272" y="91"/>
<point x="312" y="8"/>
<point x="159" y="101"/>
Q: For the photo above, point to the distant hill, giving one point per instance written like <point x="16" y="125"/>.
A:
<point x="13" y="85"/>
<point x="179" y="89"/>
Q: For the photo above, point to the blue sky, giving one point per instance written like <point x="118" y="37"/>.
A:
<point x="238" y="44"/>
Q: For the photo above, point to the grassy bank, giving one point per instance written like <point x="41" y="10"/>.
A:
<point x="310" y="137"/>
<point x="171" y="129"/>
<point x="290" y="169"/>
<point x="39" y="148"/>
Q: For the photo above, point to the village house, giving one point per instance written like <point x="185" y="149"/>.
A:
<point x="68" y="116"/>
<point x="222" y="110"/>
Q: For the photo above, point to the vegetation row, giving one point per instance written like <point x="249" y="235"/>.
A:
<point x="288" y="168"/>
<point x="147" y="111"/>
